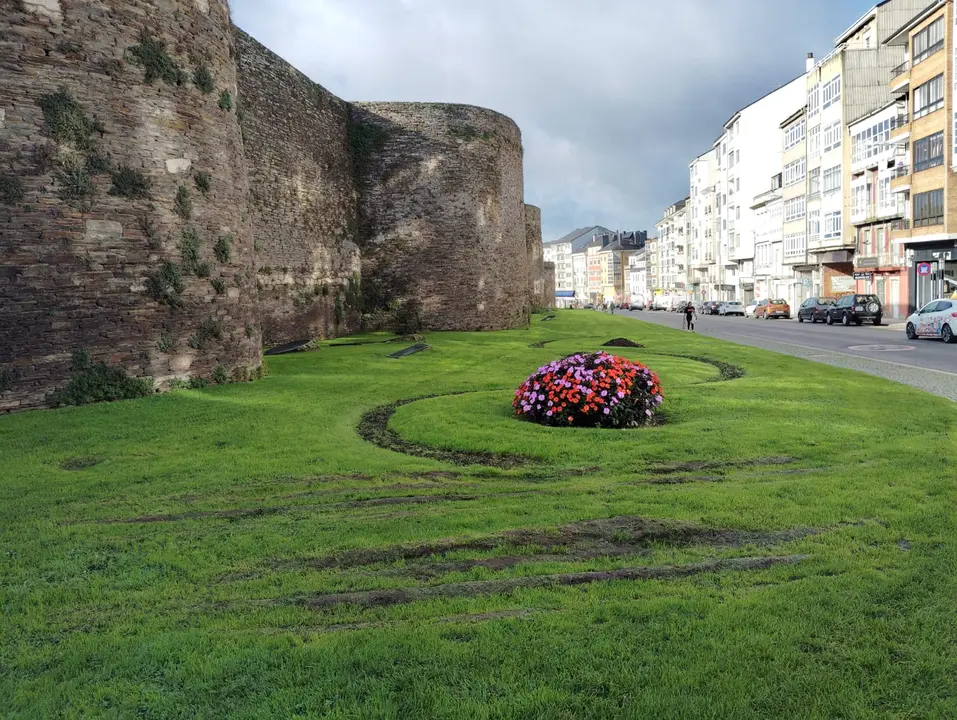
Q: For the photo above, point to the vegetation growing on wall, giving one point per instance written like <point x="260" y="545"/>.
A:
<point x="157" y="64"/>
<point x="165" y="285"/>
<point x="189" y="251"/>
<point x="97" y="382"/>
<point x="66" y="122"/>
<point x="225" y="101"/>
<point x="467" y="132"/>
<point x="11" y="190"/>
<point x="204" y="181"/>
<point x="210" y="329"/>
<point x="183" y="203"/>
<point x="130" y="183"/>
<point x="7" y="378"/>
<point x="218" y="285"/>
<point x="75" y="182"/>
<point x="223" y="248"/>
<point x="203" y="78"/>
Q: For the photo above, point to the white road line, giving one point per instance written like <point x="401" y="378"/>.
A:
<point x="838" y="352"/>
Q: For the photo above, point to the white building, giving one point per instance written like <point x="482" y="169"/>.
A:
<point x="702" y="265"/>
<point x="748" y="153"/>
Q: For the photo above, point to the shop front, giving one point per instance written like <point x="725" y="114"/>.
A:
<point x="933" y="273"/>
<point x="889" y="282"/>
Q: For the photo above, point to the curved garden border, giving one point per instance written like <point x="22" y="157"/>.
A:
<point x="374" y="425"/>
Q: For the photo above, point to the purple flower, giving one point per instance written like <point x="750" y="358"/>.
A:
<point x="604" y="393"/>
<point x="648" y="413"/>
<point x="607" y="411"/>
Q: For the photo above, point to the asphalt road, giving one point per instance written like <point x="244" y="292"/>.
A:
<point x="883" y="351"/>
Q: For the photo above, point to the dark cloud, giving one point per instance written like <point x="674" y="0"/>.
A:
<point x="614" y="97"/>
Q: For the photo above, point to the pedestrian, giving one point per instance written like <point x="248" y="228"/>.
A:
<point x="689" y="316"/>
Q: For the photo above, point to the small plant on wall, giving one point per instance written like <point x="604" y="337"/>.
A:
<point x="225" y="101"/>
<point x="130" y="183"/>
<point x="157" y="64"/>
<point x="183" y="203"/>
<point x="11" y="190"/>
<point x="203" y="79"/>
<point x="204" y="181"/>
<point x="210" y="329"/>
<point x="223" y="248"/>
<point x="66" y="122"/>
<point x="165" y="285"/>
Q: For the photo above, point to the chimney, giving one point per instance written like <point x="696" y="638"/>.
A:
<point x="809" y="63"/>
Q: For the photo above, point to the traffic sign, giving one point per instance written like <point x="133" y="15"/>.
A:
<point x="923" y="269"/>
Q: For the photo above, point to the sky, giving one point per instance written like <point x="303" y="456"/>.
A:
<point x="614" y="97"/>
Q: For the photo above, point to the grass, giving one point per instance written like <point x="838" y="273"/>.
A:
<point x="184" y="551"/>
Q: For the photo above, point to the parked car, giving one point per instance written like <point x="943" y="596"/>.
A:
<point x="749" y="309"/>
<point x="815" y="309"/>
<point x="589" y="306"/>
<point x="937" y="318"/>
<point x="855" y="309"/>
<point x="711" y="307"/>
<point x="732" y="307"/>
<point x="773" y="309"/>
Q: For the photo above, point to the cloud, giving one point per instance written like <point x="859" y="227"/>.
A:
<point x="614" y="97"/>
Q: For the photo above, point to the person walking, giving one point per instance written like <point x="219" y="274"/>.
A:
<point x="690" y="315"/>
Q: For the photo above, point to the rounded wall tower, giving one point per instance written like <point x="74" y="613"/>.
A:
<point x="536" y="257"/>
<point x="123" y="188"/>
<point x="441" y="215"/>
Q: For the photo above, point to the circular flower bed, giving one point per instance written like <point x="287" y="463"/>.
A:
<point x="590" y="390"/>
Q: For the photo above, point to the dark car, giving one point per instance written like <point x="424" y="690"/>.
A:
<point x="711" y="307"/>
<point x="856" y="309"/>
<point x="815" y="309"/>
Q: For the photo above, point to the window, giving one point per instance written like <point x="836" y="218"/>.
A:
<point x="929" y="152"/>
<point x="871" y="142"/>
<point x="794" y="244"/>
<point x="794" y="209"/>
<point x="832" y="179"/>
<point x="929" y="97"/>
<point x="795" y="134"/>
<point x="814" y="181"/>
<point x="731" y="160"/>
<point x="832" y="225"/>
<point x="795" y="172"/>
<point x="929" y="208"/>
<point x="814" y="99"/>
<point x="831" y="93"/>
<point x="814" y="142"/>
<point x="928" y="41"/>
<point x="832" y="136"/>
<point x="884" y="198"/>
<point x="860" y="194"/>
<point x="814" y="224"/>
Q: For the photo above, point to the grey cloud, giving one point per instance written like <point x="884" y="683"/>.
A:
<point x="614" y="97"/>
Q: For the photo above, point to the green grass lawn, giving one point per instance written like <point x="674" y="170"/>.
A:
<point x="784" y="546"/>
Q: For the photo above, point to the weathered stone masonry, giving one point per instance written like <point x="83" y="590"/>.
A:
<point x="536" y="257"/>
<point x="303" y="197"/>
<point x="75" y="261"/>
<point x="195" y="193"/>
<point x="441" y="217"/>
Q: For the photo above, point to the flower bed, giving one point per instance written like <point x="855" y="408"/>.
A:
<point x="590" y="390"/>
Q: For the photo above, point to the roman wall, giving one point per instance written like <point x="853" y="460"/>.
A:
<point x="303" y="200"/>
<point x="441" y="214"/>
<point x="123" y="192"/>
<point x="536" y="257"/>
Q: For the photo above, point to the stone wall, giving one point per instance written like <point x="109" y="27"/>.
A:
<point x="536" y="257"/>
<point x="441" y="214"/>
<point x="107" y="242"/>
<point x="550" y="284"/>
<point x="302" y="200"/>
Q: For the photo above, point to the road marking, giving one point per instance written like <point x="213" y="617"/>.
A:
<point x="838" y="352"/>
<point x="881" y="348"/>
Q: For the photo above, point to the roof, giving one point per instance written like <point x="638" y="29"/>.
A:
<point x="794" y="116"/>
<point x="864" y="118"/>
<point x="896" y="36"/>
<point x="861" y="21"/>
<point x="738" y="112"/>
<point x="578" y="238"/>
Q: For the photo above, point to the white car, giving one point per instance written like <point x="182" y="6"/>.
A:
<point x="937" y="319"/>
<point x="749" y="310"/>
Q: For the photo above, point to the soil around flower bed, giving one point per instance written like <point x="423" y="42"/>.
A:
<point x="374" y="428"/>
<point x="622" y="342"/>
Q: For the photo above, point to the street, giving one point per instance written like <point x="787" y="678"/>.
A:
<point x="883" y="351"/>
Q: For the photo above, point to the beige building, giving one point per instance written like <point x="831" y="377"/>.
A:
<point x="843" y="88"/>
<point x="924" y="141"/>
<point x="702" y="275"/>
<point x="789" y="274"/>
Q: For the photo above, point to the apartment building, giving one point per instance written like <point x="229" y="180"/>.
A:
<point x="748" y="153"/>
<point x="613" y="256"/>
<point x="653" y="275"/>
<point x="560" y="252"/>
<point x="702" y="275"/>
<point x="925" y="84"/>
<point x="771" y="277"/>
<point x="636" y="276"/>
<point x="673" y="250"/>
<point x="880" y="265"/>
<point x="842" y="89"/>
<point x="788" y="274"/>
